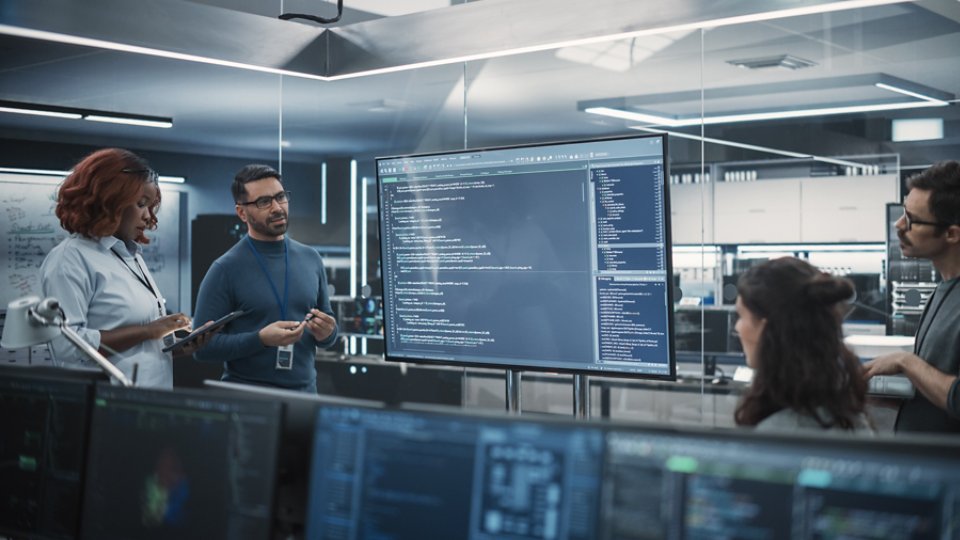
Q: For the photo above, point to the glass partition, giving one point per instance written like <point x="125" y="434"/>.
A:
<point x="786" y="137"/>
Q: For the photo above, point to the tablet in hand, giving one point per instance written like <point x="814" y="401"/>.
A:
<point x="218" y="324"/>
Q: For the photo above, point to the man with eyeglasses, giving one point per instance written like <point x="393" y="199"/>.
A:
<point x="930" y="229"/>
<point x="278" y="282"/>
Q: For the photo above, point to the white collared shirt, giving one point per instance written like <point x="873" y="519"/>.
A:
<point x="99" y="291"/>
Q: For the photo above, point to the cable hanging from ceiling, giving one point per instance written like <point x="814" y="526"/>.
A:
<point x="314" y="18"/>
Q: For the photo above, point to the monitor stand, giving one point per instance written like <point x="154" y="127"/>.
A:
<point x="513" y="391"/>
<point x="581" y="395"/>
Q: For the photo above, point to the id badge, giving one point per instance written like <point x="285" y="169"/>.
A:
<point x="285" y="357"/>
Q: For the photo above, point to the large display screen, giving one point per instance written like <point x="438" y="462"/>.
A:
<point x="548" y="257"/>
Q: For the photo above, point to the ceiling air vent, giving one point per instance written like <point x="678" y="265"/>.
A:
<point x="786" y="61"/>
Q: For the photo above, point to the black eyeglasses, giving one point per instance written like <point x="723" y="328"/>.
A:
<point x="267" y="200"/>
<point x="911" y="221"/>
<point x="148" y="172"/>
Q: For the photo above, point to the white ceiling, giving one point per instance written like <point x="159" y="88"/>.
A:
<point x="524" y="98"/>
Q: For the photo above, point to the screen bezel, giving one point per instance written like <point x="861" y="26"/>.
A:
<point x="668" y="257"/>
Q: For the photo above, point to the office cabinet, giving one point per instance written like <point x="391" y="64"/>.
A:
<point x="691" y="213"/>
<point x="846" y="208"/>
<point x="760" y="212"/>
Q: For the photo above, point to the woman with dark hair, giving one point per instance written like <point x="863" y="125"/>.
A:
<point x="789" y="322"/>
<point x="98" y="274"/>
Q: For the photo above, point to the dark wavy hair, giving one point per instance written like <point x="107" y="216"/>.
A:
<point x="801" y="362"/>
<point x="101" y="186"/>
<point x="942" y="180"/>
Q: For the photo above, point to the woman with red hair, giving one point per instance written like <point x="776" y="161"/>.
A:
<point x="98" y="274"/>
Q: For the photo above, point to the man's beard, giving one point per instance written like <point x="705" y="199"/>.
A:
<point x="266" y="228"/>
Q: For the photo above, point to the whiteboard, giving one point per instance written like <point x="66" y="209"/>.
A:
<point x="29" y="229"/>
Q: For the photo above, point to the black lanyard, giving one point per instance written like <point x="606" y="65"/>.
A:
<point x="143" y="280"/>
<point x="933" y="317"/>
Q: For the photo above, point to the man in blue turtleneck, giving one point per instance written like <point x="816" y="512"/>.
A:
<point x="279" y="282"/>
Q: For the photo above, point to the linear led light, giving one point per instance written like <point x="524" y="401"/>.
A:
<point x="73" y="113"/>
<point x="745" y="146"/>
<point x="37" y="112"/>
<point x="811" y="247"/>
<point x="54" y="177"/>
<point x="726" y="21"/>
<point x="758" y="116"/>
<point x="129" y="121"/>
<point x="904" y="91"/>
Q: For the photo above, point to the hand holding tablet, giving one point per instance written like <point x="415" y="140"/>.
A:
<point x="204" y="330"/>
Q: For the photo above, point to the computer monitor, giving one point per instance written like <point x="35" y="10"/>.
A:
<point x="44" y="416"/>
<point x="296" y="446"/>
<point x="180" y="464"/>
<point x="706" y="329"/>
<point x="405" y="474"/>
<point x="544" y="257"/>
<point x="359" y="317"/>
<point x="662" y="484"/>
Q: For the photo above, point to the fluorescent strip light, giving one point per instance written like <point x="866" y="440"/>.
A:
<point x="938" y="102"/>
<point x="728" y="21"/>
<point x="128" y="121"/>
<point x="753" y="117"/>
<point x="633" y="116"/>
<point x="811" y="247"/>
<point x="746" y="146"/>
<point x="57" y="176"/>
<point x="323" y="193"/>
<point x="35" y="172"/>
<point x="35" y="112"/>
<point x="353" y="242"/>
<point x="73" y="113"/>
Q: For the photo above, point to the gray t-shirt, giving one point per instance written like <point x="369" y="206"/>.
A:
<point x="790" y="420"/>
<point x="938" y="342"/>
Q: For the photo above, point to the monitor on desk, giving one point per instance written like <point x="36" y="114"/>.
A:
<point x="44" y="416"/>
<point x="296" y="445"/>
<point x="183" y="464"/>
<point x="421" y="474"/>
<point x="543" y="257"/>
<point x="659" y="484"/>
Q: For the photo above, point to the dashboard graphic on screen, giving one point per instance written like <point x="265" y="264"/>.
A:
<point x="545" y="257"/>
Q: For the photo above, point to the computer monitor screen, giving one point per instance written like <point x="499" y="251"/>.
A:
<point x="44" y="415"/>
<point x="296" y="447"/>
<point x="411" y="474"/>
<point x="708" y="330"/>
<point x="551" y="257"/>
<point x="361" y="317"/>
<point x="663" y="485"/>
<point x="180" y="465"/>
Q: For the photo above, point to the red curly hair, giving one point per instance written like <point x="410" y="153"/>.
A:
<point x="92" y="199"/>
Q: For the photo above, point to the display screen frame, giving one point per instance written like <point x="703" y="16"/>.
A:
<point x="587" y="367"/>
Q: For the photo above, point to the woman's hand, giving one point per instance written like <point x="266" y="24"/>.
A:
<point x="168" y="325"/>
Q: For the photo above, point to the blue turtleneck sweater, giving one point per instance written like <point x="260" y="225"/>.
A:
<point x="236" y="281"/>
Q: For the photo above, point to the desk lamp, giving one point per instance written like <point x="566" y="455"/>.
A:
<point x="32" y="321"/>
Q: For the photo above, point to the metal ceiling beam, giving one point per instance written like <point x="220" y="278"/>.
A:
<point x="470" y="31"/>
<point x="173" y="29"/>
